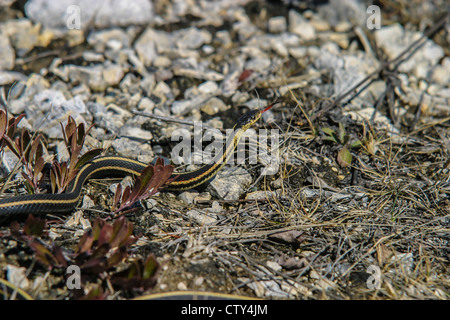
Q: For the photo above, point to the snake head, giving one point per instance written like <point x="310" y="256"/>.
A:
<point x="249" y="118"/>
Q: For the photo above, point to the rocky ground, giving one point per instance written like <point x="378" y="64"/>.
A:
<point x="363" y="115"/>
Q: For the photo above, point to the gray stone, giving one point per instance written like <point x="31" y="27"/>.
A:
<point x="101" y="13"/>
<point x="7" y="54"/>
<point x="277" y="24"/>
<point x="301" y="26"/>
<point x="23" y="35"/>
<point x="230" y="183"/>
<point x="394" y="39"/>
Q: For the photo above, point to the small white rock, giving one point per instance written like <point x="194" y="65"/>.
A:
<point x="277" y="24"/>
<point x="182" y="286"/>
<point x="274" y="265"/>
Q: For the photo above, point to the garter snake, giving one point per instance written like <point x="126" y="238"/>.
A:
<point x="104" y="165"/>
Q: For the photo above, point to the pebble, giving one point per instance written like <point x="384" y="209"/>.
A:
<point x="394" y="39"/>
<point x="277" y="24"/>
<point x="182" y="107"/>
<point x="9" y="77"/>
<point x="441" y="72"/>
<point x="274" y="265"/>
<point x="133" y="149"/>
<point x="23" y="35"/>
<point x="17" y="276"/>
<point x="74" y="37"/>
<point x="102" y="13"/>
<point x="213" y="106"/>
<point x="7" y="54"/>
<point x="198" y="281"/>
<point x="261" y="195"/>
<point x="145" y="47"/>
<point x="191" y="38"/>
<point x="135" y="132"/>
<point x="53" y="107"/>
<point x="181" y="286"/>
<point x="188" y="197"/>
<point x="300" y="26"/>
<point x="216" y="207"/>
<point x="258" y="64"/>
<point x="98" y="77"/>
<point x="347" y="70"/>
<point x="229" y="183"/>
<point x="338" y="11"/>
<point x="208" y="88"/>
<point x="201" y="218"/>
<point x="109" y="39"/>
<point x="9" y="161"/>
<point x="224" y="38"/>
<point x="146" y="104"/>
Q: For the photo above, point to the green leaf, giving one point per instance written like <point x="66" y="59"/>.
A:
<point x="332" y="139"/>
<point x="146" y="176"/>
<point x="331" y="135"/>
<point x="342" y="133"/>
<point x="344" y="157"/>
<point x="150" y="268"/>
<point x="328" y="131"/>
<point x="356" y="144"/>
<point x="81" y="134"/>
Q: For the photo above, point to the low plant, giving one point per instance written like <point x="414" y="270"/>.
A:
<point x="344" y="156"/>
<point x="98" y="254"/>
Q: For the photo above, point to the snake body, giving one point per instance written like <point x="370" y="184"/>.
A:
<point x="107" y="165"/>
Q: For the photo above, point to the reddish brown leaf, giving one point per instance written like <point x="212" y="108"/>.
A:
<point x="85" y="242"/>
<point x="105" y="234"/>
<point x="126" y="194"/>
<point x="43" y="255"/>
<point x="34" y="226"/>
<point x="11" y="145"/>
<point x="38" y="166"/>
<point x="135" y="191"/>
<point x="117" y="196"/>
<point x="245" y="74"/>
<point x="116" y="257"/>
<point x="33" y="150"/>
<point x="3" y="123"/>
<point x="122" y="230"/>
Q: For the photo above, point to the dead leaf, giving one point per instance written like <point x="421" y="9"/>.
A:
<point x="291" y="236"/>
<point x="291" y="263"/>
